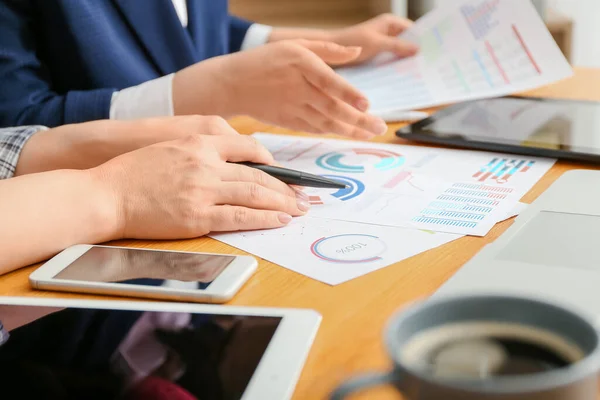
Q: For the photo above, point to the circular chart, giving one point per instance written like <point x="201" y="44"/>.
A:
<point x="349" y="248"/>
<point x="357" y="160"/>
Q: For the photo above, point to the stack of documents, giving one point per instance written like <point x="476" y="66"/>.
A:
<point x="400" y="201"/>
<point x="403" y="200"/>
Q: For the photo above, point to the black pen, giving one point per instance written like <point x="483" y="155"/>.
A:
<point x="298" y="178"/>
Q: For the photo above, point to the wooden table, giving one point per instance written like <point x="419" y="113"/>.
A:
<point x="354" y="313"/>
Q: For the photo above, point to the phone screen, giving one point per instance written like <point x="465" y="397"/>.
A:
<point x="146" y="267"/>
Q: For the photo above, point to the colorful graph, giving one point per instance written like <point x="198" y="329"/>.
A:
<point x="334" y="161"/>
<point x="349" y="248"/>
<point x="480" y="17"/>
<point x="315" y="200"/>
<point x="501" y="170"/>
<point x="431" y="43"/>
<point x="355" y="187"/>
<point x="447" y="222"/>
<point x="463" y="204"/>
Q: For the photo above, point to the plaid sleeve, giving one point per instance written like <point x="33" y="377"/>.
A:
<point x="12" y="141"/>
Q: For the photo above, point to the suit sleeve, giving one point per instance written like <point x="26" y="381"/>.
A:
<point x="26" y="95"/>
<point x="238" y="28"/>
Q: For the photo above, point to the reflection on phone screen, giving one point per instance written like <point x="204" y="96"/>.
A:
<point x="144" y="267"/>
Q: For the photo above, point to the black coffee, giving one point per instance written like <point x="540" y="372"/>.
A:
<point x="485" y="351"/>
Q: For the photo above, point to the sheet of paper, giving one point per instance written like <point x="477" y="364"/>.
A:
<point x="469" y="49"/>
<point x="452" y="191"/>
<point x="334" y="252"/>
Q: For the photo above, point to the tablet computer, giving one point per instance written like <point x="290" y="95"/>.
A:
<point x="76" y="349"/>
<point x="565" y="129"/>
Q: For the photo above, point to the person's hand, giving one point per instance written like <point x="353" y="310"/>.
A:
<point x="375" y="36"/>
<point x="287" y="83"/>
<point x="87" y="145"/>
<point x="188" y="188"/>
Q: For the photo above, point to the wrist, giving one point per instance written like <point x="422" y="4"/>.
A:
<point x="205" y="88"/>
<point x="108" y="212"/>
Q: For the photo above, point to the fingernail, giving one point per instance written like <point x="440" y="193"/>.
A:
<point x="362" y="104"/>
<point x="301" y="195"/>
<point x="303" y="205"/>
<point x="381" y="127"/>
<point x="354" y="48"/>
<point x="285" y="218"/>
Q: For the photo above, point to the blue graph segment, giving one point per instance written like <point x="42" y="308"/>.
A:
<point x="333" y="162"/>
<point x="355" y="187"/>
<point x="446" y="222"/>
<point x="467" y="200"/>
<point x="438" y="36"/>
<point x="476" y="193"/>
<point x="484" y="70"/>
<point x="389" y="163"/>
<point x="478" y="209"/>
<point x="454" y="214"/>
<point x="446" y="205"/>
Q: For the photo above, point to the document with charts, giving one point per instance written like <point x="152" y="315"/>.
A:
<point x="469" y="49"/>
<point x="334" y="252"/>
<point x="442" y="190"/>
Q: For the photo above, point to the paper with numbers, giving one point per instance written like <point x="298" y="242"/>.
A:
<point x="469" y="49"/>
<point x="442" y="190"/>
<point x="334" y="252"/>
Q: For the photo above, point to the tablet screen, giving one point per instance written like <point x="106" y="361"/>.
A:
<point x="92" y="354"/>
<point x="536" y="123"/>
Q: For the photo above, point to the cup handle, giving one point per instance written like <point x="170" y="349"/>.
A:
<point x="363" y="382"/>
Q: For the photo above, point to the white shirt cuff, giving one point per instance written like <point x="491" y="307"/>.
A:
<point x="149" y="99"/>
<point x="256" y="36"/>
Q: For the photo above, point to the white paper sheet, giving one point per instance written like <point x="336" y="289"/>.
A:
<point x="469" y="49"/>
<point x="334" y="252"/>
<point x="451" y="191"/>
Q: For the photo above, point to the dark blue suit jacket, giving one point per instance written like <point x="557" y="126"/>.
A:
<point x="61" y="60"/>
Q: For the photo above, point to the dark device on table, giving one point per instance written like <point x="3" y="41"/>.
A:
<point x="557" y="128"/>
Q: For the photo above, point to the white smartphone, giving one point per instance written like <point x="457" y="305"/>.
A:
<point x="157" y="274"/>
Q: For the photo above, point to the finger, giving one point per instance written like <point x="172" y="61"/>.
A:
<point x="332" y="53"/>
<point x="397" y="25"/>
<point x="258" y="197"/>
<point x="320" y="75"/>
<point x="326" y="124"/>
<point x="242" y="148"/>
<point x="301" y="125"/>
<point x="219" y="126"/>
<point x="401" y="48"/>
<point x="242" y="173"/>
<point x="233" y="218"/>
<point x="335" y="109"/>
